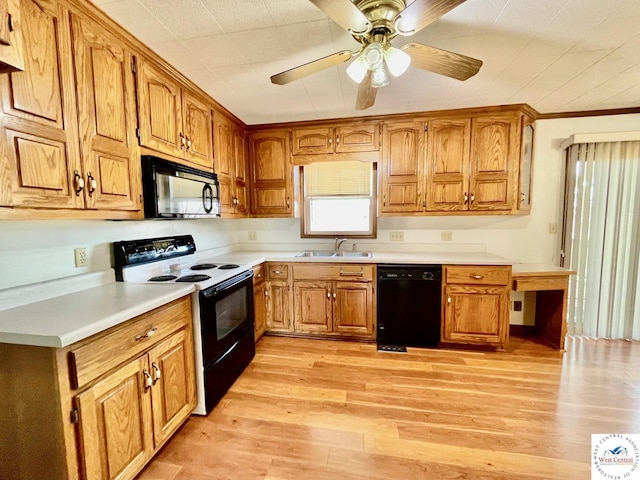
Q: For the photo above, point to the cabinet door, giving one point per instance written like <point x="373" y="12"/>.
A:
<point x="223" y="143"/>
<point x="260" y="309"/>
<point x="159" y="110"/>
<point x="197" y="131"/>
<point x="448" y="164"/>
<point x="352" y="309"/>
<point x="476" y="314"/>
<point x="39" y="155"/>
<point x="312" y="141"/>
<point x="403" y="167"/>
<point x="278" y="307"/>
<point x="106" y="110"/>
<point x="526" y="165"/>
<point x="358" y="138"/>
<point x="11" y="55"/>
<point x="271" y="173"/>
<point x="173" y="391"/>
<point x="494" y="162"/>
<point x="240" y="172"/>
<point x="115" y="423"/>
<point x="312" y="306"/>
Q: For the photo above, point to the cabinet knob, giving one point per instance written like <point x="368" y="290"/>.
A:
<point x="148" y="381"/>
<point x="330" y="141"/>
<point x="334" y="295"/>
<point x="78" y="183"/>
<point x="337" y="139"/>
<point x="93" y="185"/>
<point x="448" y="299"/>
<point x="156" y="372"/>
<point x="147" y="334"/>
<point x="328" y="295"/>
<point x="266" y="292"/>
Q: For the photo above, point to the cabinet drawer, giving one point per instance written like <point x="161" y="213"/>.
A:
<point x="478" y="275"/>
<point x="122" y="342"/>
<point x="527" y="284"/>
<point x="334" y="271"/>
<point x="258" y="274"/>
<point x="278" y="271"/>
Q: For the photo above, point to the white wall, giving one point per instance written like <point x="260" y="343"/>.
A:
<point x="32" y="251"/>
<point x="35" y="251"/>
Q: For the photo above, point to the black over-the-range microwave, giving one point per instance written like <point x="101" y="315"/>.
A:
<point x="172" y="190"/>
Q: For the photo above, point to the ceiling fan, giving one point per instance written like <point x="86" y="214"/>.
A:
<point x="374" y="23"/>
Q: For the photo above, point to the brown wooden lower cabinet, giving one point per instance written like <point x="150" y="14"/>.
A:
<point x="476" y="305"/>
<point x="334" y="299"/>
<point x="77" y="416"/>
<point x="259" y="302"/>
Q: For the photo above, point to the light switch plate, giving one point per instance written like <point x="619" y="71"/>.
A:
<point x="396" y="236"/>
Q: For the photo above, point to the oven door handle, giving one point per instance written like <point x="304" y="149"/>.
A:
<point x="214" y="291"/>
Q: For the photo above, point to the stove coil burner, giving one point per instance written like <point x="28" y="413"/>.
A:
<point x="162" y="278"/>
<point x="193" y="278"/>
<point x="228" y="266"/>
<point x="203" y="266"/>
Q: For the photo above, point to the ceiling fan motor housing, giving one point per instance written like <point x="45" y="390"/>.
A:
<point x="381" y="14"/>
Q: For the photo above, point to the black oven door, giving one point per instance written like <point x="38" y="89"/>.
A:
<point x="226" y="314"/>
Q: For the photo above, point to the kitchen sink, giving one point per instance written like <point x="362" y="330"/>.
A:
<point x="330" y="253"/>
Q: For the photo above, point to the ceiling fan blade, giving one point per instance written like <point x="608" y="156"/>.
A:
<point x="345" y="14"/>
<point x="366" y="93"/>
<point x="302" y="71"/>
<point x="441" y="61"/>
<point x="422" y="13"/>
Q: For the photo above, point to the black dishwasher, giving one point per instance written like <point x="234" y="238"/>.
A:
<point x="409" y="300"/>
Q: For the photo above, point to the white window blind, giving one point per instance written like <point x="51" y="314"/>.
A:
<point x="602" y="239"/>
<point x="338" y="178"/>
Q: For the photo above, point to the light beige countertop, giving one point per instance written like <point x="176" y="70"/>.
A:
<point x="63" y="320"/>
<point x="58" y="320"/>
<point x="539" y="269"/>
<point x="251" y="258"/>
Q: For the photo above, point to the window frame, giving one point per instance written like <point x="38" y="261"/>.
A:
<point x="373" y="209"/>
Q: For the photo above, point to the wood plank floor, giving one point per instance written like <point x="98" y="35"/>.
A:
<point x="314" y="409"/>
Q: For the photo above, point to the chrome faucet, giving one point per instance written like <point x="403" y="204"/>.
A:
<point x="339" y="241"/>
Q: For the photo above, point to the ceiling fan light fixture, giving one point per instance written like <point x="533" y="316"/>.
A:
<point x="373" y="55"/>
<point x="380" y="76"/>
<point x="357" y="70"/>
<point x="397" y="61"/>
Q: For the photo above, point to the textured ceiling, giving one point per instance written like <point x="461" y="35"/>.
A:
<point x="555" y="55"/>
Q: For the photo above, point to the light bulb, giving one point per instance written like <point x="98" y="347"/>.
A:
<point x="357" y="70"/>
<point x="380" y="76"/>
<point x="373" y="55"/>
<point x="397" y="60"/>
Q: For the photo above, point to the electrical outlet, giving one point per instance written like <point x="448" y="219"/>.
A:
<point x="447" y="236"/>
<point x="81" y="256"/>
<point x="553" y="228"/>
<point x="253" y="236"/>
<point x="396" y="236"/>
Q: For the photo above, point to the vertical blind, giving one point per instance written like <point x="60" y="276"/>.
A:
<point x="338" y="178"/>
<point x="602" y="239"/>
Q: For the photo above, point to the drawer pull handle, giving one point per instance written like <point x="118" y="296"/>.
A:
<point x="148" y="334"/>
<point x="477" y="277"/>
<point x="449" y="299"/>
<point x="156" y="372"/>
<point x="277" y="272"/>
<point x="259" y="275"/>
<point x="334" y="295"/>
<point x="266" y="292"/>
<point x="148" y="381"/>
<point x="328" y="295"/>
<point x="78" y="183"/>
<point x="344" y="273"/>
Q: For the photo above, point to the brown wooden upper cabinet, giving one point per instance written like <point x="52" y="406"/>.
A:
<point x="59" y="99"/>
<point x="271" y="173"/>
<point x="11" y="54"/>
<point x="348" y="138"/>
<point x="172" y="119"/>
<point x="230" y="163"/>
<point x="450" y="164"/>
<point x="107" y="113"/>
